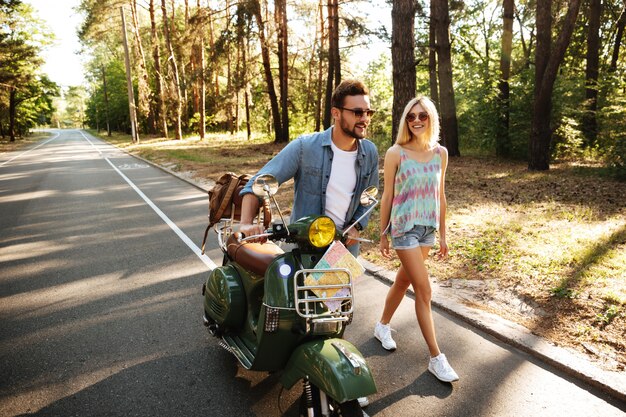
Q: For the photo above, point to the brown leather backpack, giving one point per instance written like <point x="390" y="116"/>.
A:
<point x="225" y="201"/>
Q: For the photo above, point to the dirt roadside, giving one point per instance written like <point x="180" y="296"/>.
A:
<point x="499" y="290"/>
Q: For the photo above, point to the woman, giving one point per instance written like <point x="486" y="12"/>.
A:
<point x="412" y="208"/>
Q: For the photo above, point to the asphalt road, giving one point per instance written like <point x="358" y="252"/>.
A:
<point x="100" y="310"/>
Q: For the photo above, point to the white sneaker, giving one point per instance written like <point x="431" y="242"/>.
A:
<point x="363" y="402"/>
<point x="382" y="332"/>
<point x="440" y="367"/>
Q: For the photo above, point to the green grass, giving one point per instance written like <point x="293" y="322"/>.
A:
<point x="610" y="313"/>
<point x="486" y="252"/>
<point x="215" y="149"/>
<point x="599" y="253"/>
<point x="187" y="155"/>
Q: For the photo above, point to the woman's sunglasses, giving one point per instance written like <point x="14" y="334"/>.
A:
<point x="422" y="116"/>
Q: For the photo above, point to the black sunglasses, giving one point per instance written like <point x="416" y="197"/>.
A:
<point x="422" y="116"/>
<point x="360" y="112"/>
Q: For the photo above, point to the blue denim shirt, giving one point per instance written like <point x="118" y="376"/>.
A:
<point x="308" y="160"/>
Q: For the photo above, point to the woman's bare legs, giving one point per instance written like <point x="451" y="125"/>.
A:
<point x="414" y="271"/>
<point x="395" y="295"/>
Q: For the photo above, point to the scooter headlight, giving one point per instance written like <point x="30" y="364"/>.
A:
<point x="322" y="232"/>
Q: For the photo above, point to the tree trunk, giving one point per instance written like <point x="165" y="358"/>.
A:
<point x="432" y="60"/>
<point x="132" y="109"/>
<point x="216" y="81"/>
<point x="402" y="58"/>
<point x="243" y="32"/>
<point x="547" y="62"/>
<point x="247" y="84"/>
<point x="449" y="124"/>
<point x="106" y="102"/>
<point x="589" y="119"/>
<point x="174" y="66"/>
<point x="12" y="112"/>
<point x="267" y="70"/>
<point x="320" y="70"/>
<point x="335" y="38"/>
<point x="229" y="87"/>
<point x="503" y="142"/>
<point x="238" y="87"/>
<point x="283" y="67"/>
<point x="160" y="113"/>
<point x="334" y="65"/>
<point x="198" y="90"/>
<point x="621" y="23"/>
<point x="309" y="91"/>
<point x="184" y="91"/>
<point x="202" y="88"/>
<point x="144" y="92"/>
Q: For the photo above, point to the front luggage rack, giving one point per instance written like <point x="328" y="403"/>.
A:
<point x="311" y="306"/>
<point x="223" y="228"/>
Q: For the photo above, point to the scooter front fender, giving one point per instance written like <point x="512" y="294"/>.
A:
<point x="335" y="366"/>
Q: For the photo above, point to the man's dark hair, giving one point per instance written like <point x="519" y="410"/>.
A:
<point x="348" y="88"/>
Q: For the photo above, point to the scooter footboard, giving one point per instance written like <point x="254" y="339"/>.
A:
<point x="333" y="365"/>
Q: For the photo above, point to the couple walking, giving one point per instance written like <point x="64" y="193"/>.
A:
<point x="332" y="168"/>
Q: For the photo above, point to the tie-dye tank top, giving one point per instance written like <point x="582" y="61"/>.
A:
<point x="416" y="193"/>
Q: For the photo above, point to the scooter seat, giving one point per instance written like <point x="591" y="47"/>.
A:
<point x="254" y="257"/>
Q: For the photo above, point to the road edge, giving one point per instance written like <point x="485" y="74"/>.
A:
<point x="504" y="330"/>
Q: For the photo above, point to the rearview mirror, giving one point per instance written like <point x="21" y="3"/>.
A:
<point x="265" y="185"/>
<point x="368" y="196"/>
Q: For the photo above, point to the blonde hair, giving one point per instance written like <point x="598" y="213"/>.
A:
<point x="432" y="134"/>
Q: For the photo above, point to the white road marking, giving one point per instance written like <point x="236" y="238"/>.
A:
<point x="31" y="149"/>
<point x="132" y="166"/>
<point x="204" y="258"/>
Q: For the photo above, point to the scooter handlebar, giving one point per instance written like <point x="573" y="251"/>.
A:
<point x="242" y="238"/>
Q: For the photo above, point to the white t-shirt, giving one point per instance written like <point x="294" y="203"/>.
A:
<point x="340" y="185"/>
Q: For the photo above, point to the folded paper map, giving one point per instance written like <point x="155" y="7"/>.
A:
<point x="336" y="256"/>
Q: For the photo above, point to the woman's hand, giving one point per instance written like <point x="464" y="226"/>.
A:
<point x="442" y="253"/>
<point x="384" y="247"/>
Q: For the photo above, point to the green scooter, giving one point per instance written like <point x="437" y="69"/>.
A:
<point x="263" y="307"/>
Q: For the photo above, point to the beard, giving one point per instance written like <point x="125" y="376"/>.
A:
<point x="353" y="131"/>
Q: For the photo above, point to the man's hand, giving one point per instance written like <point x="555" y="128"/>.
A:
<point x="249" y="229"/>
<point x="249" y="208"/>
<point x="352" y="233"/>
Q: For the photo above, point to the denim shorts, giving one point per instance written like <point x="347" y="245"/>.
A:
<point x="417" y="236"/>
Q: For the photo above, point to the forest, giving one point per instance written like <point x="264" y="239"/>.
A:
<point x="26" y="95"/>
<point x="533" y="80"/>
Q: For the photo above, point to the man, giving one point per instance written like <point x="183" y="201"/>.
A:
<point x="330" y="169"/>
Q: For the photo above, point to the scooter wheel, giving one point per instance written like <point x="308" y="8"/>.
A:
<point x="211" y="325"/>
<point x="348" y="409"/>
